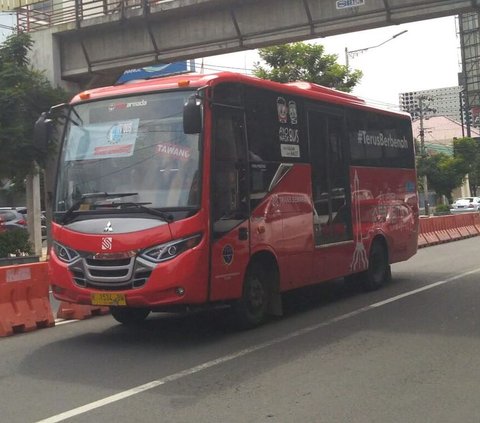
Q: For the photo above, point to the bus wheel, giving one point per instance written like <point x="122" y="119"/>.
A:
<point x="251" y="310"/>
<point x="379" y="271"/>
<point x="129" y="316"/>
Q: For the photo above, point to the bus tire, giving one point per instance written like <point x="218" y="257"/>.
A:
<point x="379" y="271"/>
<point x="129" y="316"/>
<point x="251" y="310"/>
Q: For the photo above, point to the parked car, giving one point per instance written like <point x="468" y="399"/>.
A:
<point x="12" y="218"/>
<point x="466" y="204"/>
<point x="17" y="219"/>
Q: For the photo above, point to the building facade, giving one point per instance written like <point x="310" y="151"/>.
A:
<point x="444" y="102"/>
<point x="469" y="33"/>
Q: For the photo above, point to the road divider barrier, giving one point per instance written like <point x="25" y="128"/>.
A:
<point x="24" y="298"/>
<point x="437" y="229"/>
<point x="70" y="311"/>
<point x="476" y="221"/>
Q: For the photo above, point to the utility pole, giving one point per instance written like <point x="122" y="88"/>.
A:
<point x="421" y="113"/>
<point x="462" y="111"/>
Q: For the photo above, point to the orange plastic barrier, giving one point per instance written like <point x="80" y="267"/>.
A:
<point x="440" y="228"/>
<point x="466" y="224"/>
<point x="450" y="225"/>
<point x="422" y="241"/>
<point x="24" y="298"/>
<point x="69" y="311"/>
<point x="476" y="221"/>
<point x="428" y="232"/>
<point x="436" y="229"/>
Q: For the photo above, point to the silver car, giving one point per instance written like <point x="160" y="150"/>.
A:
<point x="13" y="218"/>
<point x="466" y="204"/>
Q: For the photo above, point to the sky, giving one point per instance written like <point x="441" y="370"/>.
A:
<point x="6" y="20"/>
<point x="427" y="56"/>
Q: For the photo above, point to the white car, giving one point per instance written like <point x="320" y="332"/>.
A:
<point x="466" y="204"/>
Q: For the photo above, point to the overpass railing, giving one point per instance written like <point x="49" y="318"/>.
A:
<point x="44" y="14"/>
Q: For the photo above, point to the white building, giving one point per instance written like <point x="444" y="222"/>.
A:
<point x="445" y="101"/>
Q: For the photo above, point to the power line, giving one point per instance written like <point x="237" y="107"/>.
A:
<point x="221" y="67"/>
<point x="248" y="71"/>
<point x="379" y="103"/>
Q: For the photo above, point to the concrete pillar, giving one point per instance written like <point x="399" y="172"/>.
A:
<point x="45" y="56"/>
<point x="34" y="212"/>
<point x="466" y="187"/>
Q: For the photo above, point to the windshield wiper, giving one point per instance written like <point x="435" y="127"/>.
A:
<point x="167" y="217"/>
<point x="76" y="115"/>
<point x="69" y="213"/>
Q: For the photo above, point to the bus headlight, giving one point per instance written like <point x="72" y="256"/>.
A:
<point x="169" y="250"/>
<point x="65" y="254"/>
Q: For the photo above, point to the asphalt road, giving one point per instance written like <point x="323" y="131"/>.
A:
<point x="406" y="353"/>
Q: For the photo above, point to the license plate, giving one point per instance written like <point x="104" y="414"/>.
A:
<point x="108" y="299"/>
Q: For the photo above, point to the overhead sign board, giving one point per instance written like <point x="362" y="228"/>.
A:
<point x="157" y="71"/>
<point x="346" y="4"/>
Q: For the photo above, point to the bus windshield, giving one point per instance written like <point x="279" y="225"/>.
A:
<point x="129" y="145"/>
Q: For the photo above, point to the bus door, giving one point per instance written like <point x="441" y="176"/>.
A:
<point x="331" y="194"/>
<point x="230" y="249"/>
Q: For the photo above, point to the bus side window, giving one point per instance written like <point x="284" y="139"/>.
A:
<point x="332" y="220"/>
<point x="229" y="177"/>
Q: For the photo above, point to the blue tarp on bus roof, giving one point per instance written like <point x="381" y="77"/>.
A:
<point x="155" y="71"/>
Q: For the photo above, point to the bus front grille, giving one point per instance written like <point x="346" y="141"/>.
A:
<point x="110" y="274"/>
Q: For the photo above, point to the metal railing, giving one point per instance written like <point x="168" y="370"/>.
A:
<point x="41" y="15"/>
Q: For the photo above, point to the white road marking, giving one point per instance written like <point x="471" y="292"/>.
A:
<point x="59" y="322"/>
<point x="155" y="383"/>
<point x="424" y="288"/>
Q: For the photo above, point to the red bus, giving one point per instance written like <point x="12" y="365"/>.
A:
<point x="200" y="190"/>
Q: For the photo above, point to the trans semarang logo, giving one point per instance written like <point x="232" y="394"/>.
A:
<point x="107" y="243"/>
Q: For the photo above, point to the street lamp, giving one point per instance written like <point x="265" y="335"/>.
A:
<point x="353" y="53"/>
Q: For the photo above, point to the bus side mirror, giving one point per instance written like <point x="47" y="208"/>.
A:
<point x="192" y="115"/>
<point x="42" y="132"/>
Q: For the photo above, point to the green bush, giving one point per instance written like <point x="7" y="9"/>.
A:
<point x="15" y="243"/>
<point x="442" y="209"/>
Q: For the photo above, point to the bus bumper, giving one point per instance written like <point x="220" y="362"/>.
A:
<point x="182" y="280"/>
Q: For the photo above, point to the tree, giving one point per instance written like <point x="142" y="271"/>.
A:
<point x="468" y="150"/>
<point x="24" y="94"/>
<point x="305" y="62"/>
<point x="444" y="173"/>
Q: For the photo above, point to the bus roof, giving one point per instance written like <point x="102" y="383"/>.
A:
<point x="195" y="81"/>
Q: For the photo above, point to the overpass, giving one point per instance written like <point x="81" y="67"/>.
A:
<point x="90" y="42"/>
